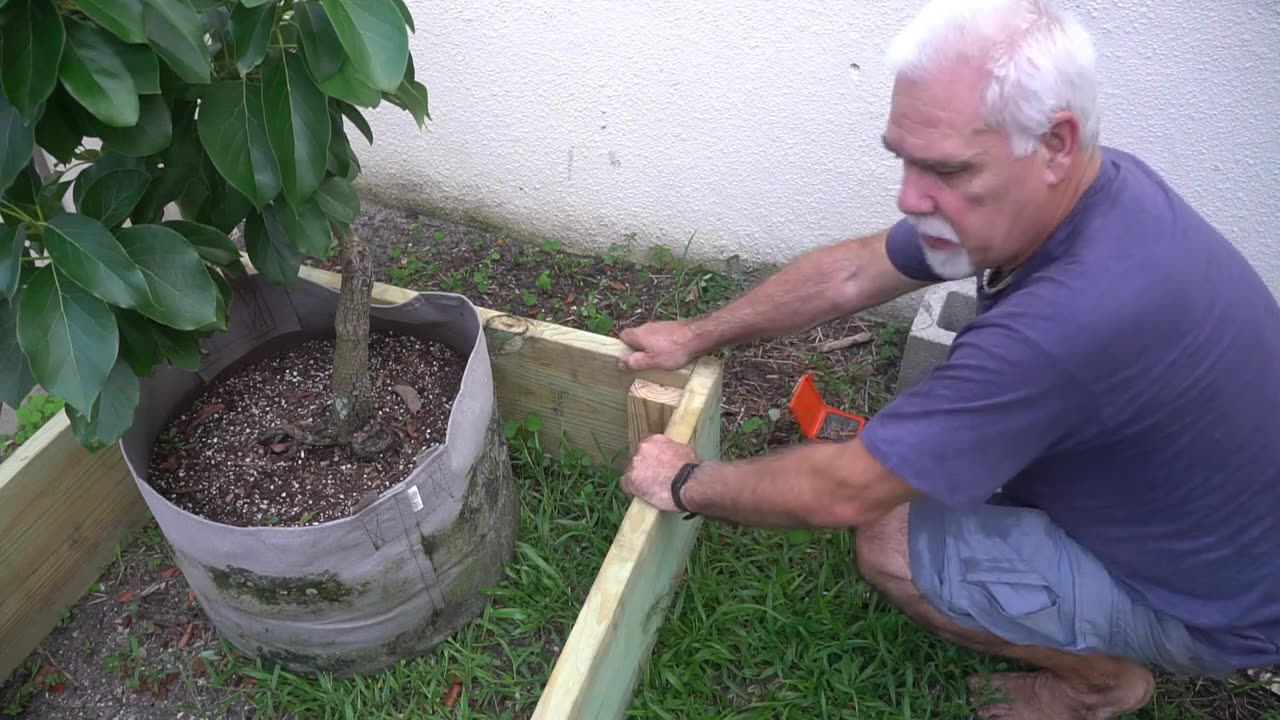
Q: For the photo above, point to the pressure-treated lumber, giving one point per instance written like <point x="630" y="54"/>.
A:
<point x="596" y="673"/>
<point x="649" y="409"/>
<point x="568" y="377"/>
<point x="62" y="511"/>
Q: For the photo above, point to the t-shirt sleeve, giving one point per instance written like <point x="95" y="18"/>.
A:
<point x="999" y="402"/>
<point x="905" y="253"/>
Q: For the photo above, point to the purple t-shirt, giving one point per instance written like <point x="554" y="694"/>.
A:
<point x="1126" y="382"/>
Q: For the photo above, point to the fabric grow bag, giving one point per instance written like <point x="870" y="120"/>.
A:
<point x="389" y="582"/>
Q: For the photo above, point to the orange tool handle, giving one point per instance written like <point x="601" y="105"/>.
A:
<point x="813" y="415"/>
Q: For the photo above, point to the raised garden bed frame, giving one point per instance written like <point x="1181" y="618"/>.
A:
<point x="63" y="510"/>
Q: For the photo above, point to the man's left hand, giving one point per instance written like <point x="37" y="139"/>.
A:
<point x="655" y="463"/>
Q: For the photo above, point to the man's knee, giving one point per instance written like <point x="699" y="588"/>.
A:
<point x="880" y="550"/>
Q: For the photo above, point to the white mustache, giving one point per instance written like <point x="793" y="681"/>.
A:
<point x="934" y="226"/>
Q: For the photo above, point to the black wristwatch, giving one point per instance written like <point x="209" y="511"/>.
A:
<point x="677" y="484"/>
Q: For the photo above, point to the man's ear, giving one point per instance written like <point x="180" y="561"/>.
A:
<point x="1061" y="146"/>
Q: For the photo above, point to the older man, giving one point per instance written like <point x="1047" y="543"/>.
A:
<point x="1119" y="385"/>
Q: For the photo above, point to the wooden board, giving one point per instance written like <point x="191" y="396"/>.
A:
<point x="569" y="377"/>
<point x="613" y="636"/>
<point x="62" y="511"/>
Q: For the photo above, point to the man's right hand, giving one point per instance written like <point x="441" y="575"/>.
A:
<point x="659" y="345"/>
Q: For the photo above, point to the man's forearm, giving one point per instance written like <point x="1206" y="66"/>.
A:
<point x="817" y="286"/>
<point x="817" y="485"/>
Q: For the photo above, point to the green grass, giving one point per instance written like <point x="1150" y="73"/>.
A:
<point x="779" y="625"/>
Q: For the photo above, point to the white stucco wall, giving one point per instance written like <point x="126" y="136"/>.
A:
<point x="754" y="126"/>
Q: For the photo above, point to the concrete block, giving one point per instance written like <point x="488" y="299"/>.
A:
<point x="943" y="311"/>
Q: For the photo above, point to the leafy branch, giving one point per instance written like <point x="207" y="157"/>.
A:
<point x="233" y="112"/>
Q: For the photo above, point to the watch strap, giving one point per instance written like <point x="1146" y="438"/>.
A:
<point x="677" y="484"/>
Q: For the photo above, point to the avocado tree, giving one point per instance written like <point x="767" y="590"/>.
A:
<point x="230" y="111"/>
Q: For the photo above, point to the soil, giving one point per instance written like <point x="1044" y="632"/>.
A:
<point x="214" y="461"/>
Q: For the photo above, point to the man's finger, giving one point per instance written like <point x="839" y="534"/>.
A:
<point x="634" y="361"/>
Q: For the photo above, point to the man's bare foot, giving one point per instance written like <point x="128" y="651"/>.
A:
<point x="1042" y="696"/>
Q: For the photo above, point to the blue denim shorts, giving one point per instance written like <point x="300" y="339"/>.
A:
<point x="1011" y="572"/>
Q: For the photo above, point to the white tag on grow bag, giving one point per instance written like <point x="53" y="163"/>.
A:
<point x="415" y="498"/>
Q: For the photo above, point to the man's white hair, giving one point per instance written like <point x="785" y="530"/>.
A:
<point x="1040" y="58"/>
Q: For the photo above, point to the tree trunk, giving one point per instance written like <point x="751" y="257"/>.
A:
<point x="352" y="390"/>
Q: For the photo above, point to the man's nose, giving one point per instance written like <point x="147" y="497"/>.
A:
<point x="913" y="196"/>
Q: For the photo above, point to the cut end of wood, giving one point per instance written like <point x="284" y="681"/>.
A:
<point x="653" y="392"/>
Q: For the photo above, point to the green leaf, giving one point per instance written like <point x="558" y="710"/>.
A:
<point x="51" y="197"/>
<point x="405" y="14"/>
<point x="374" y="36"/>
<point x="17" y="142"/>
<point x="348" y="86"/>
<point x="69" y="337"/>
<point x="34" y="198"/>
<point x="320" y="42"/>
<point x="232" y="131"/>
<point x="96" y="77"/>
<point x="143" y="66"/>
<point x="112" y="413"/>
<point x="356" y="119"/>
<point x="226" y="207"/>
<point x="269" y="248"/>
<point x="29" y="55"/>
<point x="182" y="166"/>
<point x="338" y="199"/>
<point x="175" y="32"/>
<point x="225" y="296"/>
<point x="57" y="131"/>
<point x="22" y="192"/>
<point x="251" y="32"/>
<point x="342" y="159"/>
<point x="208" y="199"/>
<point x="412" y="96"/>
<point x="110" y="188"/>
<point x="86" y="254"/>
<point x="138" y="345"/>
<point x="305" y="226"/>
<point x="254" y="3"/>
<point x="297" y="125"/>
<point x="152" y="134"/>
<point x="122" y="17"/>
<point x="15" y="374"/>
<point x="211" y="243"/>
<point x="182" y="348"/>
<point x="183" y="295"/>
<point x="13" y="245"/>
<point x="84" y="429"/>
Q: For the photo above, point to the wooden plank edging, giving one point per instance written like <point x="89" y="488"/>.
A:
<point x="613" y="636"/>
<point x="62" y="518"/>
